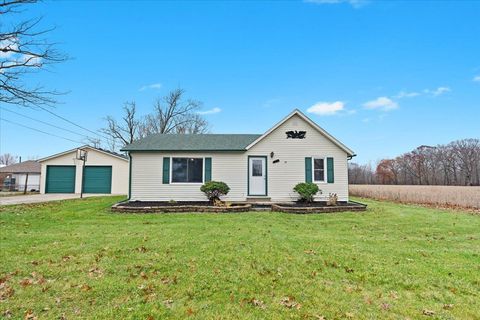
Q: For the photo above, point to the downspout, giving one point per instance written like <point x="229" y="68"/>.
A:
<point x="129" y="176"/>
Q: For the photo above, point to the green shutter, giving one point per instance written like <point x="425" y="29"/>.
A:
<point x="208" y="169"/>
<point x="330" y="173"/>
<point x="166" y="170"/>
<point x="308" y="169"/>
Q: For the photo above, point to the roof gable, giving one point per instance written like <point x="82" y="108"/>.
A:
<point x="106" y="152"/>
<point x="309" y="121"/>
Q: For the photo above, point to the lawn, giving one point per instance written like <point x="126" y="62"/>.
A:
<point x="77" y="260"/>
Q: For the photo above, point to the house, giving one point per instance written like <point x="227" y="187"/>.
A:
<point x="256" y="167"/>
<point x="20" y="175"/>
<point x="103" y="172"/>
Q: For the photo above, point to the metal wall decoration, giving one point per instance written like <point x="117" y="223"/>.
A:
<point x="296" y="134"/>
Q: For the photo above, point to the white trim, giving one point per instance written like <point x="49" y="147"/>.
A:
<point x="82" y="147"/>
<point x="309" y="121"/>
<point x="187" y="183"/>
<point x="324" y="170"/>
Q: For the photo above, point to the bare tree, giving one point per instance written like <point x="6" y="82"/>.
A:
<point x="24" y="50"/>
<point x="127" y="130"/>
<point x="7" y="159"/>
<point x="457" y="163"/>
<point x="174" y="114"/>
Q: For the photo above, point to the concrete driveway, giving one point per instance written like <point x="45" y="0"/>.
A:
<point x="35" y="198"/>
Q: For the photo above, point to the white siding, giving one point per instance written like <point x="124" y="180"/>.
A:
<point x="120" y="169"/>
<point x="231" y="167"/>
<point x="33" y="182"/>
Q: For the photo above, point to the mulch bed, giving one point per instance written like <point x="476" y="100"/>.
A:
<point x="179" y="206"/>
<point x="318" y="207"/>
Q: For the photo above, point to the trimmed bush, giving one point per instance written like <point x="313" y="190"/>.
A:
<point x="214" y="190"/>
<point x="306" y="190"/>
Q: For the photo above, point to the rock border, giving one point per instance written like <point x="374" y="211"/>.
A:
<point x="351" y="206"/>
<point x="121" y="208"/>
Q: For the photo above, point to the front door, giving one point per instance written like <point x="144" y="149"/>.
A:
<point x="257" y="176"/>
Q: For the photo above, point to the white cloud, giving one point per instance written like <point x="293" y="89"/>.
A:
<point x="476" y="78"/>
<point x="326" y="108"/>
<point x="8" y="44"/>
<point x="353" y="3"/>
<point x="211" y="111"/>
<point x="381" y="103"/>
<point x="437" y="92"/>
<point x="405" y="94"/>
<point x="155" y="86"/>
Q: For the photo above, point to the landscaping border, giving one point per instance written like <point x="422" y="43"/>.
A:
<point x="351" y="206"/>
<point x="121" y="207"/>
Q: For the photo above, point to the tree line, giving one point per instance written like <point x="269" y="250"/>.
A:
<point x="454" y="164"/>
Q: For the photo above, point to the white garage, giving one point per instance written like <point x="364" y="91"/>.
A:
<point x="102" y="172"/>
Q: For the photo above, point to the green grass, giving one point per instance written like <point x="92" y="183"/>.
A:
<point x="75" y="258"/>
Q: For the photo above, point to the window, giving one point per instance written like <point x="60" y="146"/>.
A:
<point x="319" y="170"/>
<point x="187" y="170"/>
<point x="257" y="168"/>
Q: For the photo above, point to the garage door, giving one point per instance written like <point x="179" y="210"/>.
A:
<point x="97" y="179"/>
<point x="60" y="179"/>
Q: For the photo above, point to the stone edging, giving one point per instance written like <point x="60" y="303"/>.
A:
<point x="172" y="209"/>
<point x="326" y="209"/>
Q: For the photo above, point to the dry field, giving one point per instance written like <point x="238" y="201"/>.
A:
<point x="448" y="196"/>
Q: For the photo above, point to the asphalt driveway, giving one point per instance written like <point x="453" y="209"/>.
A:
<point x="35" y="198"/>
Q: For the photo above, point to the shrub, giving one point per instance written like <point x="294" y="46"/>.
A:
<point x="214" y="190"/>
<point x="306" y="190"/>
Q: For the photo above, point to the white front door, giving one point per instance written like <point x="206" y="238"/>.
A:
<point x="257" y="176"/>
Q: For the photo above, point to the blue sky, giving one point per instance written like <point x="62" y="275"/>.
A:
<point x="383" y="77"/>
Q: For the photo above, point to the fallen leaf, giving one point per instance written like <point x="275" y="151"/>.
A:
<point x="85" y="287"/>
<point x="427" y="312"/>
<point x="6" y="291"/>
<point x="7" y="314"/>
<point x="26" y="282"/>
<point x="256" y="303"/>
<point x="29" y="315"/>
<point x="290" y="303"/>
<point x="168" y="303"/>
<point x="310" y="251"/>
<point x="448" y="306"/>
<point x="385" y="306"/>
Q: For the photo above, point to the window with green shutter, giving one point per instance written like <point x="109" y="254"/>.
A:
<point x="166" y="170"/>
<point x="330" y="171"/>
<point x="308" y="169"/>
<point x="208" y="169"/>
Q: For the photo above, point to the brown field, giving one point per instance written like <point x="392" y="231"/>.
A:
<point x="447" y="196"/>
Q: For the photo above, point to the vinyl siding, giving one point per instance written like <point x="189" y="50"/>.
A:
<point x="119" y="169"/>
<point x="231" y="167"/>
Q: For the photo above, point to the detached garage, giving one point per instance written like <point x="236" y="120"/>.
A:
<point x="102" y="172"/>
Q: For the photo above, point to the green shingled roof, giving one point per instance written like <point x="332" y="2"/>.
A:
<point x="193" y="142"/>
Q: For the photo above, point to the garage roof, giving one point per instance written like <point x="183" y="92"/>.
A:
<point x="30" y="166"/>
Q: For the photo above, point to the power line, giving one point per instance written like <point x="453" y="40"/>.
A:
<point x="71" y="122"/>
<point x="48" y="124"/>
<point x="34" y="129"/>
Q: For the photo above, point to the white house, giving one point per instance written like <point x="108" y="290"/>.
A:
<point x="256" y="167"/>
<point x="21" y="176"/>
<point x="103" y="172"/>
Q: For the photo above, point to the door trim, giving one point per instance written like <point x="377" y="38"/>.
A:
<point x="248" y="176"/>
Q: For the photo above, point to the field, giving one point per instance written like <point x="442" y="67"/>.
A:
<point x="74" y="259"/>
<point x="448" y="196"/>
